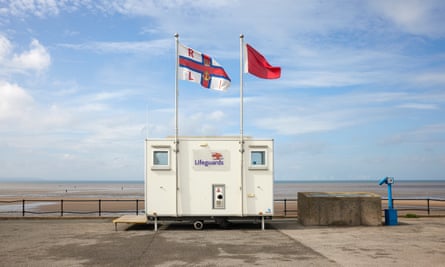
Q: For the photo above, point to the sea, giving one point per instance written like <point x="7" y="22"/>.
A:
<point x="400" y="189"/>
<point x="282" y="189"/>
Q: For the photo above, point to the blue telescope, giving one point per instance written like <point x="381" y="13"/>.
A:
<point x="389" y="181"/>
<point x="390" y="213"/>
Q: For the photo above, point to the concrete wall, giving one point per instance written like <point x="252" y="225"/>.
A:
<point x="339" y="208"/>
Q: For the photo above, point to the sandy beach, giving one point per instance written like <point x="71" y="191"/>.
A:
<point x="112" y="199"/>
<point x="115" y="207"/>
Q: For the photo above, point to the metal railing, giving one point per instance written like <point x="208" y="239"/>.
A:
<point x="431" y="204"/>
<point x="64" y="207"/>
<point x="285" y="207"/>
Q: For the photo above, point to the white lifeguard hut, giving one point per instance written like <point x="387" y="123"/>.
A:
<point x="208" y="178"/>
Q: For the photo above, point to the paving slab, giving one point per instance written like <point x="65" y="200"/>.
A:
<point x="95" y="243"/>
<point x="414" y="242"/>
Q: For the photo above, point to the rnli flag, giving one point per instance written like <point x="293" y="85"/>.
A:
<point x="200" y="68"/>
<point x="256" y="64"/>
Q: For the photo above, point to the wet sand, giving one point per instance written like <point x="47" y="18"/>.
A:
<point x="114" y="207"/>
<point x="82" y="199"/>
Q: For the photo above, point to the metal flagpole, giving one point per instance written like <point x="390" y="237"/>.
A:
<point x="176" y="119"/>
<point x="241" y="38"/>
<point x="241" y="42"/>
<point x="176" y="87"/>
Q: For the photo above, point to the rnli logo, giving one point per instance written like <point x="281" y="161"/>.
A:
<point x="217" y="156"/>
<point x="211" y="160"/>
<point x="206" y="75"/>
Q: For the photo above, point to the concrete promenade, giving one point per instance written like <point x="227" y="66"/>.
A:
<point x="93" y="242"/>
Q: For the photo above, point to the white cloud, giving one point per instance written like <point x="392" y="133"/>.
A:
<point x="148" y="47"/>
<point x="304" y="114"/>
<point x="157" y="8"/>
<point x="5" y="48"/>
<point x="101" y="96"/>
<point x="419" y="106"/>
<point x="431" y="78"/>
<point x="423" y="17"/>
<point x="40" y="8"/>
<point x="202" y="123"/>
<point x="259" y="17"/>
<point x="36" y="58"/>
<point x="432" y="134"/>
<point x="76" y="128"/>
<point x="304" y="123"/>
<point x="325" y="78"/>
<point x="15" y="103"/>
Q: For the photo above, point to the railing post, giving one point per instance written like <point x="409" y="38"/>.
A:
<point x="61" y="208"/>
<point x="428" y="204"/>
<point x="100" y="208"/>
<point x="23" y="208"/>
<point x="285" y="207"/>
<point x="137" y="207"/>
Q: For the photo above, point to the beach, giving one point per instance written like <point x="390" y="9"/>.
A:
<point x="282" y="189"/>
<point x="80" y="198"/>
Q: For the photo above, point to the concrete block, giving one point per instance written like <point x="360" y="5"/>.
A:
<point x="339" y="208"/>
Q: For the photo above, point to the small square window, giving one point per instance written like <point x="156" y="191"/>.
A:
<point x="161" y="159"/>
<point x="257" y="158"/>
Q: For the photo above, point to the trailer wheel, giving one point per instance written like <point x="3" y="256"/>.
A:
<point x="198" y="225"/>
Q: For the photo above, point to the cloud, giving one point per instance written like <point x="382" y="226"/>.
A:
<point x="15" y="103"/>
<point x="419" y="106"/>
<point x="155" y="47"/>
<point x="432" y="78"/>
<point x="77" y="129"/>
<point x="303" y="114"/>
<point x="433" y="134"/>
<point x="157" y="8"/>
<point x="5" y="47"/>
<point x="305" y="123"/>
<point x="202" y="123"/>
<point x="258" y="18"/>
<point x="421" y="17"/>
<point x="103" y="96"/>
<point x="40" y="8"/>
<point x="325" y="78"/>
<point x="37" y="8"/>
<point x="37" y="58"/>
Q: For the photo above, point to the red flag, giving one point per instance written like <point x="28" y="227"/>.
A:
<point x="256" y="64"/>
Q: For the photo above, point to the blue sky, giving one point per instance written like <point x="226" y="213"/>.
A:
<point x="361" y="96"/>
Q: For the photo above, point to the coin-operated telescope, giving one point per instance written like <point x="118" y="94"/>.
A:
<point x="390" y="212"/>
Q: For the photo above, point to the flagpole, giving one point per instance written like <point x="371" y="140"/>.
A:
<point x="176" y="87"/>
<point x="176" y="119"/>
<point x="241" y="42"/>
<point x="241" y="38"/>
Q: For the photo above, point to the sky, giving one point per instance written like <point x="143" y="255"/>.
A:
<point x="361" y="94"/>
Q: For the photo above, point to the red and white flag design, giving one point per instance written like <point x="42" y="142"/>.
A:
<point x="200" y="68"/>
